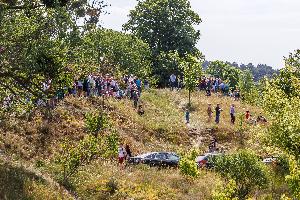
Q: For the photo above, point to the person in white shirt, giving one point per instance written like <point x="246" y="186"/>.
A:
<point x="172" y="81"/>
<point x="121" y="155"/>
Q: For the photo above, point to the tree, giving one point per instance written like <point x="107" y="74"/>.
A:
<point x="117" y="52"/>
<point x="226" y="72"/>
<point x="166" y="25"/>
<point x="192" y="70"/>
<point x="281" y="101"/>
<point x="245" y="169"/>
<point x="248" y="89"/>
<point x="36" y="46"/>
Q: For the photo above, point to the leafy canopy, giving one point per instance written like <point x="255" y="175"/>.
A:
<point x="167" y="26"/>
<point x="226" y="72"/>
<point x="116" y="52"/>
<point x="245" y="169"/>
<point x="281" y="101"/>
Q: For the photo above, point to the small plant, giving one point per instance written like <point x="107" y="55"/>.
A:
<point x="187" y="164"/>
<point x="75" y="156"/>
<point x="96" y="122"/>
<point x="112" y="141"/>
<point x="225" y="193"/>
<point x="39" y="163"/>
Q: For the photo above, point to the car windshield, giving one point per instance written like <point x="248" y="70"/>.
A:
<point x="161" y="156"/>
<point x="199" y="158"/>
<point x="150" y="156"/>
<point x="172" y="157"/>
<point x="144" y="155"/>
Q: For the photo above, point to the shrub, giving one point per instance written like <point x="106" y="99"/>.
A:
<point x="225" y="193"/>
<point x="293" y="179"/>
<point x="245" y="169"/>
<point x="73" y="157"/>
<point x="112" y="141"/>
<point x="96" y="122"/>
<point x="187" y="164"/>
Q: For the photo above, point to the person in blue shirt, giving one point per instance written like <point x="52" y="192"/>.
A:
<point x="138" y="83"/>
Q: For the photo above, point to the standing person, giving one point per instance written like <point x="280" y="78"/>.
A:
<point x="247" y="115"/>
<point x="138" y="83"/>
<point x="146" y="84"/>
<point x="232" y="113"/>
<point x="218" y="113"/>
<point x="121" y="155"/>
<point x="187" y="116"/>
<point x="172" y="81"/>
<point x="135" y="98"/>
<point x="140" y="110"/>
<point x="128" y="151"/>
<point x="209" y="112"/>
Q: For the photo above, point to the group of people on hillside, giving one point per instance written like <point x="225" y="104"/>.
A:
<point x="248" y="117"/>
<point x="208" y="84"/>
<point x="97" y="85"/>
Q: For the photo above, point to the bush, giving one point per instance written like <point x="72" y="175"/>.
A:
<point x="225" y="193"/>
<point x="96" y="122"/>
<point x="187" y="164"/>
<point x="73" y="157"/>
<point x="245" y="169"/>
<point x="112" y="141"/>
<point x="293" y="179"/>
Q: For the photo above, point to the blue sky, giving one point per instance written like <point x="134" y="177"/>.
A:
<point x="257" y="31"/>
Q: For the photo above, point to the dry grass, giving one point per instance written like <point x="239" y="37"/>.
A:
<point x="161" y="128"/>
<point x="141" y="182"/>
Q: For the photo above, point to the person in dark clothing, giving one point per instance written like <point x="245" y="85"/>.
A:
<point x="135" y="98"/>
<point x="141" y="110"/>
<point x="128" y="151"/>
<point x="218" y="113"/>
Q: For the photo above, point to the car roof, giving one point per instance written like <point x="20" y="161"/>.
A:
<point x="161" y="152"/>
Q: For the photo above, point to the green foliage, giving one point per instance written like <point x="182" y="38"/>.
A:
<point x="114" y="52"/>
<point x="187" y="164"/>
<point x="112" y="142"/>
<point x="37" y="40"/>
<point x="245" y="169"/>
<point x="225" y="71"/>
<point x="96" y="121"/>
<point x="76" y="156"/>
<point x="192" y="71"/>
<point x="281" y="101"/>
<point x="167" y="26"/>
<point x="225" y="193"/>
<point x="247" y="87"/>
<point x="282" y="105"/>
<point x="293" y="179"/>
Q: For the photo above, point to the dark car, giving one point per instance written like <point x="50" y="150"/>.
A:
<point x="206" y="160"/>
<point x="167" y="159"/>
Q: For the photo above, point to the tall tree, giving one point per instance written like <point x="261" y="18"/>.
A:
<point x="166" y="25"/>
<point x="117" y="52"/>
<point x="192" y="70"/>
<point x="224" y="71"/>
<point x="36" y="45"/>
<point x="247" y="87"/>
<point x="281" y="102"/>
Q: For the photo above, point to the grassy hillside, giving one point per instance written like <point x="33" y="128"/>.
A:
<point x="35" y="140"/>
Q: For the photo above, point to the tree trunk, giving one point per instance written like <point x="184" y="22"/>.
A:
<point x="189" y="105"/>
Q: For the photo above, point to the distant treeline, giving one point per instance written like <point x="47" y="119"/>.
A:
<point x="259" y="71"/>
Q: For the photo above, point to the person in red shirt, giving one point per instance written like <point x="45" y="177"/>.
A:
<point x="247" y="115"/>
